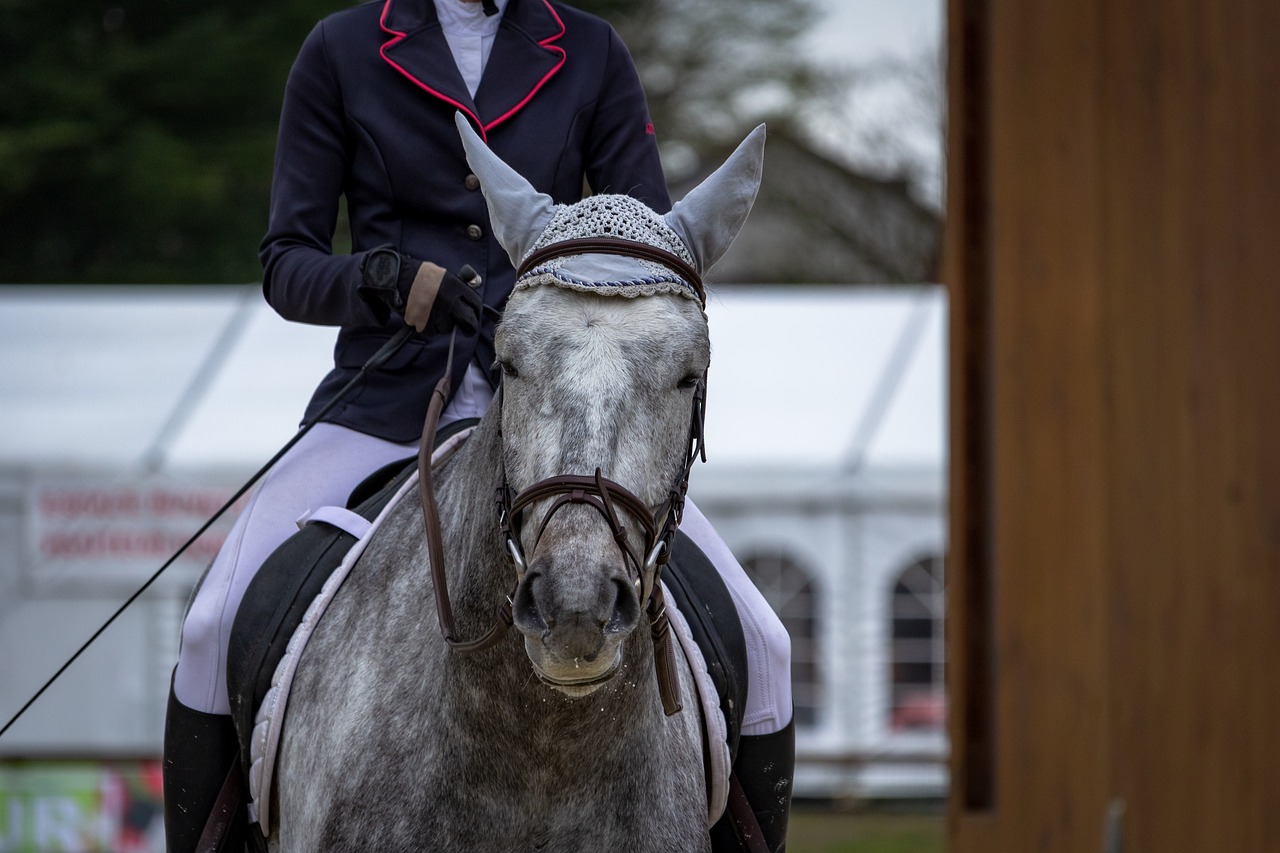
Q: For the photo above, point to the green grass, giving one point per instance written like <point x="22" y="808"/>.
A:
<point x="815" y="830"/>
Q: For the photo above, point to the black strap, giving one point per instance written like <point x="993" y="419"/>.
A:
<point x="743" y="817"/>
<point x="226" y="810"/>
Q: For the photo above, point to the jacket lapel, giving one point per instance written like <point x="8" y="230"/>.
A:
<point x="525" y="56"/>
<point x="416" y="47"/>
<point x="523" y="59"/>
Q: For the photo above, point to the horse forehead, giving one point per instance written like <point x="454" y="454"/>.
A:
<point x="556" y="322"/>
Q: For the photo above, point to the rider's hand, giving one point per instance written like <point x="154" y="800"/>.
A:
<point x="380" y="272"/>
<point x="439" y="301"/>
<point x="429" y="298"/>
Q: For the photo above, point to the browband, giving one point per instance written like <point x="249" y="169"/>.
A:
<point x="617" y="246"/>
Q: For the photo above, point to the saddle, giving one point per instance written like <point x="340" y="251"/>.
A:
<point x="285" y="587"/>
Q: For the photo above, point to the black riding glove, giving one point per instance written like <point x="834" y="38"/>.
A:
<point x="380" y="275"/>
<point x="430" y="298"/>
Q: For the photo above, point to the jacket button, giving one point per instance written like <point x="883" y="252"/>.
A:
<point x="475" y="232"/>
<point x="472" y="182"/>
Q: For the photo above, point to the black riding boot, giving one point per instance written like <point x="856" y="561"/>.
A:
<point x="764" y="767"/>
<point x="199" y="751"/>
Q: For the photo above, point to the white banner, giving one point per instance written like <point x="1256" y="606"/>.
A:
<point x="97" y="529"/>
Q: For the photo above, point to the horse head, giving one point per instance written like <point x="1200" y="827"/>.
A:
<point x="604" y="351"/>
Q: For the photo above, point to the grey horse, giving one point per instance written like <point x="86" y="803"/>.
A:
<point x="554" y="737"/>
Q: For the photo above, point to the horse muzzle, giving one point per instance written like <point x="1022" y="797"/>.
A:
<point x="575" y="620"/>
<point x="578" y="686"/>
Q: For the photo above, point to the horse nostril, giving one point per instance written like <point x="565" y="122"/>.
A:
<point x="626" y="609"/>
<point x="524" y="607"/>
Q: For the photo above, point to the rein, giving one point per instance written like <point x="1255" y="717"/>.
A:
<point x="597" y="491"/>
<point x="435" y="539"/>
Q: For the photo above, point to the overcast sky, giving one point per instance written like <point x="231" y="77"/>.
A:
<point x="888" y="126"/>
<point x="860" y="30"/>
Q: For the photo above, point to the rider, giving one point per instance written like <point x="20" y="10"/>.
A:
<point x="368" y="116"/>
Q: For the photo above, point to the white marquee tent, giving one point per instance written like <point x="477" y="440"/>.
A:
<point x="820" y="399"/>
<point x="210" y="376"/>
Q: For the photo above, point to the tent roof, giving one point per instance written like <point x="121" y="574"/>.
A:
<point x="196" y="377"/>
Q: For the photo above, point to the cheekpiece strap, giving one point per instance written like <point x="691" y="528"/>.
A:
<point x="617" y="246"/>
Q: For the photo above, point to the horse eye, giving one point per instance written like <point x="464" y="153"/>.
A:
<point x="690" y="381"/>
<point x="508" y="369"/>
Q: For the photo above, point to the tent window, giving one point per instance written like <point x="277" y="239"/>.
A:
<point x="917" y="608"/>
<point x="789" y="589"/>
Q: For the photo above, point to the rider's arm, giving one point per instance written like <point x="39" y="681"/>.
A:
<point x="622" y="149"/>
<point x="302" y="278"/>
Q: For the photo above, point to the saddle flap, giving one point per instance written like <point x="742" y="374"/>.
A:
<point x="700" y="594"/>
<point x="279" y="595"/>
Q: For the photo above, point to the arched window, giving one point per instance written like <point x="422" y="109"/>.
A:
<point x="917" y="694"/>
<point x="790" y="591"/>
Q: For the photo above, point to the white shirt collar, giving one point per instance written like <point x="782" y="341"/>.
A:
<point x="458" y="17"/>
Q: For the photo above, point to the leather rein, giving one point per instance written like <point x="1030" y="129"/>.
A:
<point x="597" y="491"/>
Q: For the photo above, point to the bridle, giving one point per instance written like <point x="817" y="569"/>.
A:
<point x="596" y="491"/>
<point x="605" y="496"/>
<point x="616" y="246"/>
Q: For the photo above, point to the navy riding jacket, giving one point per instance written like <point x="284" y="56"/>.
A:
<point x="369" y="114"/>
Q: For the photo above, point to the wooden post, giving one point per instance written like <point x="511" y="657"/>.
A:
<point x="1113" y="255"/>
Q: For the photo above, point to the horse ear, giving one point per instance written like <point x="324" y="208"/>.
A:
<point x="517" y="212"/>
<point x="710" y="216"/>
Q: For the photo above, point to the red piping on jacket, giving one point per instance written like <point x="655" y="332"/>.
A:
<point x="546" y="44"/>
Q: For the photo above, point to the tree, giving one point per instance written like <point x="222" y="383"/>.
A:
<point x="136" y="140"/>
<point x="852" y="187"/>
<point x="712" y="69"/>
<point x="891" y="124"/>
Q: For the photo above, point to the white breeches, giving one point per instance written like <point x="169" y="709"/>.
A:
<point x="321" y="470"/>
